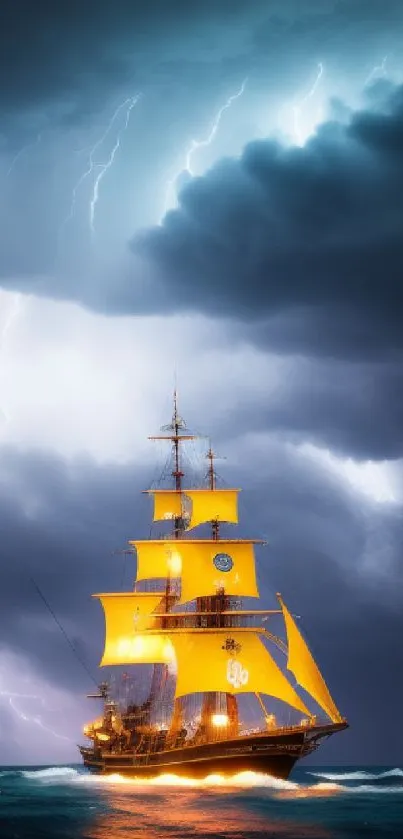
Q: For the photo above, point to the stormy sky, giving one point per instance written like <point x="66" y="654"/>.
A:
<point x="212" y="190"/>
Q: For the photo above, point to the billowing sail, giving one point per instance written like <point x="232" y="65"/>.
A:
<point x="128" y="616"/>
<point x="212" y="505"/>
<point x="303" y="666"/>
<point x="206" y="566"/>
<point x="232" y="662"/>
<point x="211" y="567"/>
<point x="196" y="505"/>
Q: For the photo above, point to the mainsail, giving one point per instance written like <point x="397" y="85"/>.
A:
<point x="205" y="566"/>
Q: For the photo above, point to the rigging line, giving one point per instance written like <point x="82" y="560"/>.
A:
<point x="63" y="631"/>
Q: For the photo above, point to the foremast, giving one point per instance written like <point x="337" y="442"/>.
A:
<point x="212" y="646"/>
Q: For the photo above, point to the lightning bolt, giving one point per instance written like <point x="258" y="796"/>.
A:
<point x="379" y="71"/>
<point x="195" y="145"/>
<point x="36" y="720"/>
<point x="101" y="168"/>
<point x="297" y="108"/>
<point x="12" y="315"/>
<point x="21" y="153"/>
<point x="7" y="694"/>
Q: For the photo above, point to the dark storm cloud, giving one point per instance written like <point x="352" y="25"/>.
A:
<point x="71" y="52"/>
<point x="59" y="523"/>
<point x="352" y="408"/>
<point x="314" y="232"/>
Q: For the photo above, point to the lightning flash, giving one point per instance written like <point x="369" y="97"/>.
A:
<point x="21" y="153"/>
<point x="299" y="106"/>
<point x="35" y="720"/>
<point x="100" y="169"/>
<point x="379" y="71"/>
<point x="195" y="145"/>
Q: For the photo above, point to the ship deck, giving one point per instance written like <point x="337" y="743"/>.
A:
<point x="271" y="752"/>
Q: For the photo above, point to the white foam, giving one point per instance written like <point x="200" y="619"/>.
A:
<point x="361" y="775"/>
<point x="53" y="773"/>
<point x="243" y="780"/>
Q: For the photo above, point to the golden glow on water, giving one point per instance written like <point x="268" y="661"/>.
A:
<point x="278" y="788"/>
<point x="180" y="808"/>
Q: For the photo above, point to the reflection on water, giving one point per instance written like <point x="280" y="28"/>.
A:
<point x="68" y="803"/>
<point x="189" y="813"/>
<point x="216" y="806"/>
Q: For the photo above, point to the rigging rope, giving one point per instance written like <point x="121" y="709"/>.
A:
<point x="63" y="631"/>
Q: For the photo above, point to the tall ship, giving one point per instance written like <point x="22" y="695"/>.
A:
<point x="212" y="686"/>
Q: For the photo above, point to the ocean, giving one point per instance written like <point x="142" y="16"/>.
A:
<point x="64" y="802"/>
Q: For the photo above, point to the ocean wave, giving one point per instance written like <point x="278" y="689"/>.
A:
<point x="330" y="786"/>
<point x="52" y="773"/>
<point x="360" y="775"/>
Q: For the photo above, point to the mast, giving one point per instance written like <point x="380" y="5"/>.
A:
<point x="215" y="525"/>
<point x="160" y="674"/>
<point x="177" y="474"/>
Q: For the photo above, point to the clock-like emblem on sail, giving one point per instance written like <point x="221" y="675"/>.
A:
<point x="223" y="562"/>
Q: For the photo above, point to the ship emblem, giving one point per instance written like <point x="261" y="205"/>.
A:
<point x="237" y="676"/>
<point x="223" y="562"/>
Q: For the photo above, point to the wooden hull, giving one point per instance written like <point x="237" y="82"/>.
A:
<point x="268" y="753"/>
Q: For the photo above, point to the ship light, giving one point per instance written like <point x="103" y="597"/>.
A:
<point x="270" y="720"/>
<point x="219" y="720"/>
<point x="103" y="737"/>
<point x="175" y="563"/>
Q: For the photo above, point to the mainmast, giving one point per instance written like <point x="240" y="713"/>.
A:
<point x="175" y="435"/>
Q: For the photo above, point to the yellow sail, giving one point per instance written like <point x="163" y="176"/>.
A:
<point x="167" y="504"/>
<point x="197" y="505"/>
<point x="158" y="559"/>
<point x="128" y="616"/>
<point x="302" y="664"/>
<point x="232" y="662"/>
<point x="206" y="566"/>
<point x="218" y="566"/>
<point x="212" y="504"/>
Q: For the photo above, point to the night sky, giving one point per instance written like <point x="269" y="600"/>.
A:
<point x="212" y="188"/>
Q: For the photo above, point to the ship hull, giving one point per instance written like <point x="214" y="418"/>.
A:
<point x="271" y="754"/>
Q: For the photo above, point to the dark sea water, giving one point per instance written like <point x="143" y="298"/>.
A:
<point x="316" y="803"/>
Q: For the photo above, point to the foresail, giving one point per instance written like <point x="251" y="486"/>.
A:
<point x="302" y="664"/>
<point x="128" y="616"/>
<point x="205" y="566"/>
<point x="232" y="662"/>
